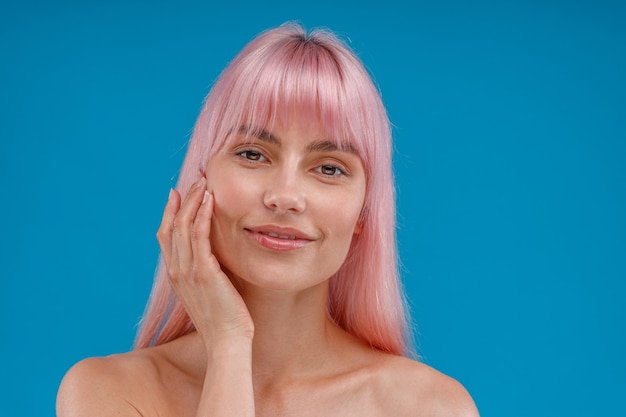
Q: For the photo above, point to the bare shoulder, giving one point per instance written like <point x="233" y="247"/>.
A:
<point x="420" y="390"/>
<point x="161" y="380"/>
<point x="106" y="386"/>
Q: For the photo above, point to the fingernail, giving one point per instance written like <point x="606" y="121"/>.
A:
<point x="170" y="194"/>
<point x="206" y="197"/>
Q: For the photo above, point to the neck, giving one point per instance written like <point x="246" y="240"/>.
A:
<point x="293" y="338"/>
<point x="293" y="335"/>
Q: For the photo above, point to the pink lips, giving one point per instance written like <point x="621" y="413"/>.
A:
<point x="279" y="238"/>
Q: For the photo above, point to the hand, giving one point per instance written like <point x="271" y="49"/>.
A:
<point x="216" y="308"/>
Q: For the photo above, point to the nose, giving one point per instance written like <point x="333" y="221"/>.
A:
<point x="285" y="195"/>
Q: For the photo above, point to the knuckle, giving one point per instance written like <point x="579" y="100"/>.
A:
<point x="177" y="224"/>
<point x="160" y="235"/>
<point x="197" y="230"/>
<point x="197" y="278"/>
<point x="173" y="275"/>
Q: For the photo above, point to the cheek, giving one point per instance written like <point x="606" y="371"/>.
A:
<point x="227" y="196"/>
<point x="343" y="216"/>
<point x="228" y="190"/>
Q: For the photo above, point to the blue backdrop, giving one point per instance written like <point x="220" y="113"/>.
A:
<point x="509" y="121"/>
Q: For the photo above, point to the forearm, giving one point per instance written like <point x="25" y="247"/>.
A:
<point x="227" y="389"/>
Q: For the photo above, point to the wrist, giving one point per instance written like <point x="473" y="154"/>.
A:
<point x="239" y="347"/>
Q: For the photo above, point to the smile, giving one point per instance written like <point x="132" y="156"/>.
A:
<point x="279" y="238"/>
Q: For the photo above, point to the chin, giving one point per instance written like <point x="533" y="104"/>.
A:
<point x="280" y="279"/>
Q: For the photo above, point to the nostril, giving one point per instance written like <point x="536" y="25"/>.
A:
<point x="284" y="200"/>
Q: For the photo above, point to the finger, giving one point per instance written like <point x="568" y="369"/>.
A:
<point x="182" y="227"/>
<point x="201" y="242"/>
<point x="164" y="234"/>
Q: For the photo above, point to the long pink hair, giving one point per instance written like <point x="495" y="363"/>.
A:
<point x="317" y="74"/>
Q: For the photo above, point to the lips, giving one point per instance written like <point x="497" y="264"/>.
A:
<point x="279" y="238"/>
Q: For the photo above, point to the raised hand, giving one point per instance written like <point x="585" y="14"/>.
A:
<point x="214" y="305"/>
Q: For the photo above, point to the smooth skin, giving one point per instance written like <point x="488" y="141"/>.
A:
<point x="264" y="345"/>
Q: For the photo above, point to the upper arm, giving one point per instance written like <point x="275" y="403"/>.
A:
<point x="94" y="387"/>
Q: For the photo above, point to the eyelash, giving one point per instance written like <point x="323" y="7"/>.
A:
<point x="337" y="171"/>
<point x="247" y="153"/>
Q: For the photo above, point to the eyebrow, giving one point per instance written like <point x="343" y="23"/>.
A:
<point x="317" y="146"/>
<point x="328" y="146"/>
<point x="261" y="134"/>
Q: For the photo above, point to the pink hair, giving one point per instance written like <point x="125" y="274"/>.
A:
<point x="281" y="70"/>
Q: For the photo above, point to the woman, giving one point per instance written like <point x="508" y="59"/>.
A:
<point x="277" y="293"/>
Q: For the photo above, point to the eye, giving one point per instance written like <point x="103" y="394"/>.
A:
<point x="330" y="170"/>
<point x="251" y="155"/>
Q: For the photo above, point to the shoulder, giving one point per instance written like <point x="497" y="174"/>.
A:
<point x="419" y="390"/>
<point x="106" y="386"/>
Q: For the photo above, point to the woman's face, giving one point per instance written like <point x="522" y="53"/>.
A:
<point x="287" y="206"/>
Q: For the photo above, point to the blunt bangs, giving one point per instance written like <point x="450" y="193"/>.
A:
<point x="299" y="77"/>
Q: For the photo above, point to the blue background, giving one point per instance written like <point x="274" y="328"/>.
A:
<point x="509" y="120"/>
